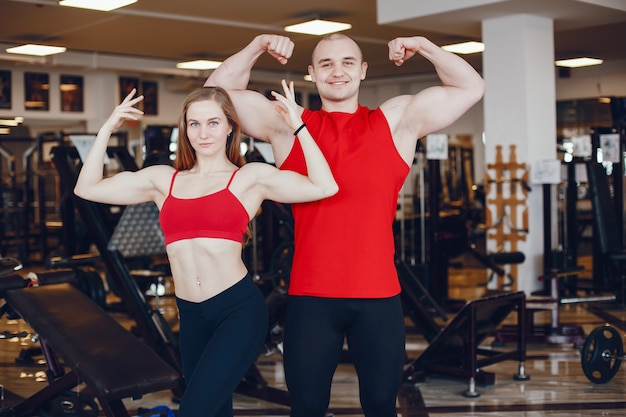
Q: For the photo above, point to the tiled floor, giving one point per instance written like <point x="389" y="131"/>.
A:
<point x="557" y="384"/>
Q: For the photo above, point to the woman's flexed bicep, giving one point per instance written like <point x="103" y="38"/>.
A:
<point x="130" y="187"/>
<point x="285" y="186"/>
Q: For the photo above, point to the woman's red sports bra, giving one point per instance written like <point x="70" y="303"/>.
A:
<point x="217" y="215"/>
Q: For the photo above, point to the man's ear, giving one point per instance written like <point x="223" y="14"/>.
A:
<point x="311" y="72"/>
<point x="363" y="70"/>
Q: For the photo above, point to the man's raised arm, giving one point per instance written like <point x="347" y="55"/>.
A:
<point x="234" y="72"/>
<point x="259" y="118"/>
<point x="433" y="108"/>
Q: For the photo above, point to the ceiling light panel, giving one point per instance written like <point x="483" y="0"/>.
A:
<point x="101" y="5"/>
<point x="200" y="64"/>
<point x="36" y="50"/>
<point x="465" y="47"/>
<point x="318" y="27"/>
<point x="578" y="62"/>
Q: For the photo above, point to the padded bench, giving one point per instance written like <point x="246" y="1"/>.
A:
<point x="97" y="349"/>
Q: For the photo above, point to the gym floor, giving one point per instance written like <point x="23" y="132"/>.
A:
<point x="557" y="385"/>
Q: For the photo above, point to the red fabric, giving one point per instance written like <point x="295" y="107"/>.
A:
<point x="344" y="245"/>
<point x="218" y="215"/>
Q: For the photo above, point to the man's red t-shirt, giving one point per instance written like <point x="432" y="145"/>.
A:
<point x="344" y="245"/>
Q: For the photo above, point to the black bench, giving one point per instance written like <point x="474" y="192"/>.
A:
<point x="112" y="362"/>
<point x="456" y="350"/>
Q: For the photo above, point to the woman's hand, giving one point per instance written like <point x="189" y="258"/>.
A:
<point x="290" y="110"/>
<point x="124" y="111"/>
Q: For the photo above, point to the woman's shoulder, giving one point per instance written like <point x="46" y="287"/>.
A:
<point x="156" y="169"/>
<point x="158" y="173"/>
<point x="252" y="173"/>
<point x="253" y="168"/>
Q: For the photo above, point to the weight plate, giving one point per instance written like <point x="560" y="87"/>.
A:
<point x="70" y="404"/>
<point x="602" y="354"/>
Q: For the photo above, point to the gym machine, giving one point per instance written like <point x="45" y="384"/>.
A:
<point x="72" y="330"/>
<point x="454" y="349"/>
<point x="606" y="194"/>
<point x="413" y="276"/>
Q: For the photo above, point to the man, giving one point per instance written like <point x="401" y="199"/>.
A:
<point x="343" y="282"/>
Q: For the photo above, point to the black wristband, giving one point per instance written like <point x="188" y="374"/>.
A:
<point x="302" y="126"/>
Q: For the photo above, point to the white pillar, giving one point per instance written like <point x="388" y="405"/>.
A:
<point x="520" y="110"/>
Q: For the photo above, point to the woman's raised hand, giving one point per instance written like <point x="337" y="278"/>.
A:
<point x="124" y="111"/>
<point x="289" y="109"/>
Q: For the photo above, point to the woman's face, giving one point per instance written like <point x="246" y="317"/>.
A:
<point x="207" y="127"/>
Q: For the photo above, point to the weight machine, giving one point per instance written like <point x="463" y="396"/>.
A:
<point x="72" y="330"/>
<point x="454" y="349"/>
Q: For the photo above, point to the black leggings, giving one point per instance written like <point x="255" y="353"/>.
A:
<point x="313" y="341"/>
<point x="219" y="339"/>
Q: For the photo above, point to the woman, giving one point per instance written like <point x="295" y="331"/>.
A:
<point x="206" y="201"/>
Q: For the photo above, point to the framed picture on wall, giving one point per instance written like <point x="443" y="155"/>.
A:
<point x="5" y="89"/>
<point x="71" y="87"/>
<point x="126" y="86"/>
<point x="150" y="91"/>
<point x="36" y="91"/>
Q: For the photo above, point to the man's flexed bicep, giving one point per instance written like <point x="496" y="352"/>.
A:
<point x="260" y="120"/>
<point x="258" y="116"/>
<point x="437" y="107"/>
<point x="426" y="112"/>
<point x="234" y="72"/>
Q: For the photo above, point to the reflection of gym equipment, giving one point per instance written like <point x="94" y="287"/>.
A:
<point x="590" y="197"/>
<point x="456" y="349"/>
<point x="440" y="237"/>
<point x="609" y="255"/>
<point x="150" y="324"/>
<point x="415" y="297"/>
<point x="602" y="354"/>
<point x="81" y="344"/>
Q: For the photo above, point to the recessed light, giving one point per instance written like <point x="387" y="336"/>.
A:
<point x="37" y="50"/>
<point x="200" y="64"/>
<point x="101" y="5"/>
<point x="578" y="62"/>
<point x="318" y="27"/>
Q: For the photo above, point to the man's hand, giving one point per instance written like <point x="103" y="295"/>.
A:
<point x="402" y="49"/>
<point x="280" y="47"/>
